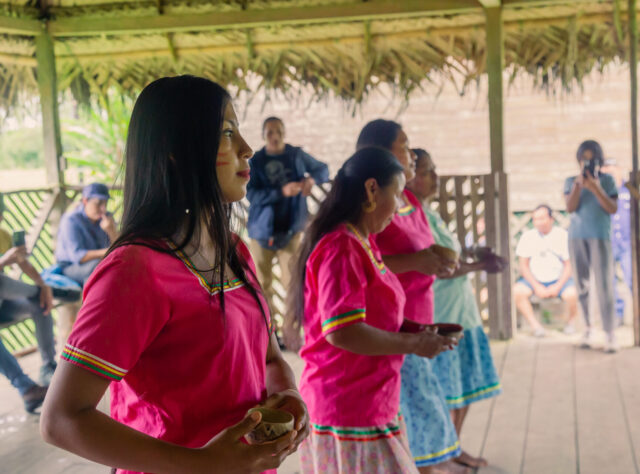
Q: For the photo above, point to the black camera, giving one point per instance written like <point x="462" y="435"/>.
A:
<point x="589" y="167"/>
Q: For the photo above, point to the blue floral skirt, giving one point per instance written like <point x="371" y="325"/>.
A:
<point x="467" y="374"/>
<point x="432" y="436"/>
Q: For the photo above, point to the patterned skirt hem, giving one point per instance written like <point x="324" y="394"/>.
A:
<point x="475" y="396"/>
<point x="345" y="450"/>
<point x="441" y="456"/>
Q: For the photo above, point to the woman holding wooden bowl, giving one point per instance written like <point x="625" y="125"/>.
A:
<point x="173" y="318"/>
<point x="351" y="307"/>
<point x="408" y="249"/>
<point x="467" y="373"/>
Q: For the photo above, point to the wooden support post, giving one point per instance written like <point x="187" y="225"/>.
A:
<point x="493" y="284"/>
<point x="500" y="301"/>
<point x="507" y="310"/>
<point x="495" y="66"/>
<point x="47" y="85"/>
<point x="635" y="217"/>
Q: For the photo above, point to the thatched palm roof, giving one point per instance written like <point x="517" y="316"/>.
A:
<point x="342" y="46"/>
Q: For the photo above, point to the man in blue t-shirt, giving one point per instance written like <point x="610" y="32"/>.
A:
<point x="282" y="177"/>
<point x="85" y="234"/>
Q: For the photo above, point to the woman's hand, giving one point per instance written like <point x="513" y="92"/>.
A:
<point x="290" y="400"/>
<point x="430" y="263"/>
<point x="429" y="344"/>
<point x="227" y="453"/>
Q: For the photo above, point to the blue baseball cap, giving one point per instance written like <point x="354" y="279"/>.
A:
<point x="96" y="190"/>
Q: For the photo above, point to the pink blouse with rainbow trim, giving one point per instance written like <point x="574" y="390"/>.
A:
<point x="180" y="370"/>
<point x="347" y="283"/>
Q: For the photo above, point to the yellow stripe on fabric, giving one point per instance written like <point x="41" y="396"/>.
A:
<point x="346" y="320"/>
<point x="440" y="453"/>
<point x="94" y="360"/>
<point x="215" y="289"/>
<point x="474" y="394"/>
<point x="379" y="265"/>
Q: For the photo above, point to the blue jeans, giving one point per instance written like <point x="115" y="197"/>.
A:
<point x="568" y="284"/>
<point x="80" y="272"/>
<point x="19" y="299"/>
<point x="10" y="368"/>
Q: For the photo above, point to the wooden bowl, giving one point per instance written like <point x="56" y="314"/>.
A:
<point x="274" y="424"/>
<point x="480" y="253"/>
<point x="411" y="326"/>
<point x="449" y="330"/>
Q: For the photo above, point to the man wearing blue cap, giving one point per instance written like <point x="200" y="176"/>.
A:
<point x="85" y="234"/>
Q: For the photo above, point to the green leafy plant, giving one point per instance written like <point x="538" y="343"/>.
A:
<point x="21" y="148"/>
<point x="95" y="141"/>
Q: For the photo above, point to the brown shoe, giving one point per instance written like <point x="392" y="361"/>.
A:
<point x="34" y="397"/>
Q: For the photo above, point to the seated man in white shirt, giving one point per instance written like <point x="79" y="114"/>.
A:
<point x="543" y="253"/>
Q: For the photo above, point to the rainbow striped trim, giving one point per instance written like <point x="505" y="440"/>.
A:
<point x="379" y="265"/>
<point x="438" y="457"/>
<point x="362" y="435"/>
<point x="342" y="319"/>
<point x="405" y="211"/>
<point x="481" y="392"/>
<point x="212" y="289"/>
<point x="93" y="363"/>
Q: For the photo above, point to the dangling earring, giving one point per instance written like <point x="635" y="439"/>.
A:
<point x="369" y="207"/>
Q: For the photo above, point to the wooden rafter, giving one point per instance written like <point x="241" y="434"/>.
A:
<point x="20" y="26"/>
<point x="143" y="53"/>
<point x="387" y="9"/>
<point x="490" y="3"/>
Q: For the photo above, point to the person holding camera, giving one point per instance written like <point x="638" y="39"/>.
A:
<point x="85" y="234"/>
<point x="16" y="299"/>
<point x="591" y="198"/>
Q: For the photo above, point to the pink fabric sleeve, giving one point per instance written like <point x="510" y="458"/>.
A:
<point x="341" y="284"/>
<point x="124" y="309"/>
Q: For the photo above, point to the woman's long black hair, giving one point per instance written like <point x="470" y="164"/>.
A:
<point x="342" y="204"/>
<point x="171" y="184"/>
<point x="380" y="133"/>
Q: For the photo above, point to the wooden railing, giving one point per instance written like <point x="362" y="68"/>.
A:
<point x="462" y="202"/>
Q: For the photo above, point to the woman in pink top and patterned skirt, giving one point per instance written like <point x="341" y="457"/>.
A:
<point x="405" y="246"/>
<point x="173" y="318"/>
<point x="351" y="307"/>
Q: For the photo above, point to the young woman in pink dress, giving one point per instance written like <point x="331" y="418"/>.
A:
<point x="173" y="318"/>
<point x="351" y="307"/>
<point x="405" y="245"/>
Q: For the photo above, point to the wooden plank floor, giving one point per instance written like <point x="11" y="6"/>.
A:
<point x="563" y="410"/>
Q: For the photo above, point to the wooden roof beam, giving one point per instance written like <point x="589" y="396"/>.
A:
<point x="287" y="44"/>
<point x="249" y="18"/>
<point x="490" y="3"/>
<point x="20" y="26"/>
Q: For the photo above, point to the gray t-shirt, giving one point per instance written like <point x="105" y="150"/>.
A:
<point x="590" y="221"/>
